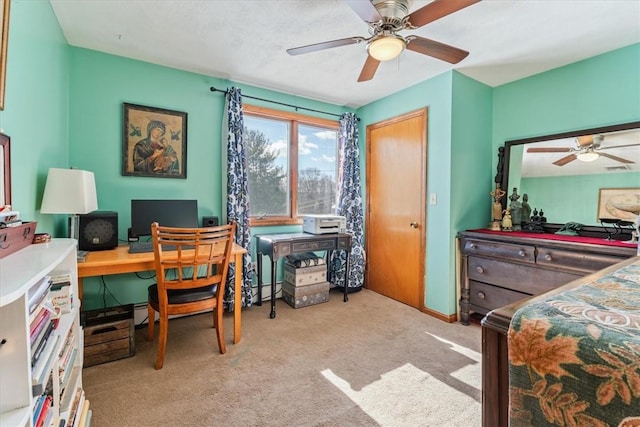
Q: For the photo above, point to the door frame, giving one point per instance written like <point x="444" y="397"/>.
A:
<point x="422" y="112"/>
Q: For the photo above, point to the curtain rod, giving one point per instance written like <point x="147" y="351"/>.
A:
<point x="213" y="89"/>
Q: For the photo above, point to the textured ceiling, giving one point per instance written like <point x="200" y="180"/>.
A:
<point x="245" y="40"/>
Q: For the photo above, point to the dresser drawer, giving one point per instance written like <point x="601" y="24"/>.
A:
<point x="522" y="253"/>
<point x="484" y="298"/>
<point x="523" y="278"/>
<point x="575" y="260"/>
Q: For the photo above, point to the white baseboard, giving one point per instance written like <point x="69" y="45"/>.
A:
<point x="266" y="292"/>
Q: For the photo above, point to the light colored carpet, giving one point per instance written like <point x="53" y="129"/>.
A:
<point x="369" y="362"/>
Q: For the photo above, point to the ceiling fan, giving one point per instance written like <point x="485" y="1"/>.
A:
<point x="388" y="17"/>
<point x="587" y="149"/>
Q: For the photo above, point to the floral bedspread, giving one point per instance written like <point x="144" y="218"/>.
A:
<point x="574" y="358"/>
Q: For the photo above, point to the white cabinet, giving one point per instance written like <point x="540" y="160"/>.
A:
<point x="58" y="370"/>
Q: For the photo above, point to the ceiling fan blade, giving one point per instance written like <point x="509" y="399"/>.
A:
<point x="549" y="149"/>
<point x="369" y="69"/>
<point x="563" y="161"/>
<point x="618" y="146"/>
<point x="619" y="159"/>
<point x="584" y="140"/>
<point x="324" y="45"/>
<point x="436" y="49"/>
<point x="436" y="10"/>
<point x="365" y="10"/>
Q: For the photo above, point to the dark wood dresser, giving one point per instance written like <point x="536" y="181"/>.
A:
<point x="503" y="271"/>
<point x="500" y="268"/>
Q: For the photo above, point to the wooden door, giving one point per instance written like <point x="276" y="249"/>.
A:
<point x="396" y="215"/>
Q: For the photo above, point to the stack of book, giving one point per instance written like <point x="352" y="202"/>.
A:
<point x="305" y="280"/>
<point x="42" y="322"/>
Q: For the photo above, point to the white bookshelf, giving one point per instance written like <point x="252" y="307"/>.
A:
<point x="20" y="272"/>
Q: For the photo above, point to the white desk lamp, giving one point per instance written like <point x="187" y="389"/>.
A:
<point x="70" y="191"/>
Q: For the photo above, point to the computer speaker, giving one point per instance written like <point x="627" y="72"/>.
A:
<point x="210" y="221"/>
<point x="98" y="231"/>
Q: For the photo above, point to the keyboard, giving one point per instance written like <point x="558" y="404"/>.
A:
<point x="147" y="246"/>
<point x="140" y="247"/>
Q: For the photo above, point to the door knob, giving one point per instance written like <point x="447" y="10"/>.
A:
<point x="413" y="225"/>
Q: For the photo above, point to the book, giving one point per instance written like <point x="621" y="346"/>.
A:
<point x="13" y="223"/>
<point x="45" y="413"/>
<point x="40" y="371"/>
<point x="39" y="407"/>
<point x="41" y="344"/>
<point x="37" y="291"/>
<point x="39" y="317"/>
<point x="61" y="296"/>
<point x="37" y="332"/>
<point x="85" y="413"/>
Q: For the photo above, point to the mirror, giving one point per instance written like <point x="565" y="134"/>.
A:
<point x="562" y="174"/>
<point x="5" y="170"/>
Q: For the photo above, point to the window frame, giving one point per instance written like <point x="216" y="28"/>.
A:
<point x="294" y="119"/>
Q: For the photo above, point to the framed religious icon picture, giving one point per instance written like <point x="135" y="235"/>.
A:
<point x="154" y="142"/>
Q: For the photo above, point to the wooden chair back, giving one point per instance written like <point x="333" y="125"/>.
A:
<point x="189" y="258"/>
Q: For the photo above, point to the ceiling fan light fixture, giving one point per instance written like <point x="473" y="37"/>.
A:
<point x="386" y="48"/>
<point x="588" y="156"/>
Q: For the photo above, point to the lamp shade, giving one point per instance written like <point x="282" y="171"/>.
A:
<point x="588" y="156"/>
<point x="386" y="48"/>
<point x="69" y="191"/>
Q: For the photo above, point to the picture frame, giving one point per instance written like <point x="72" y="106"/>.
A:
<point x="618" y="204"/>
<point x="5" y="6"/>
<point x="154" y="142"/>
<point x="5" y="170"/>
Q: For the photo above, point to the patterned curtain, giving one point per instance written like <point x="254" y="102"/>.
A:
<point x="238" y="196"/>
<point x="350" y="205"/>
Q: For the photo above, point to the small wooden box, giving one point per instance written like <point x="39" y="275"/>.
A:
<point x="302" y="276"/>
<point x="300" y="291"/>
<point x="12" y="239"/>
<point x="108" y="334"/>
<point x="305" y="300"/>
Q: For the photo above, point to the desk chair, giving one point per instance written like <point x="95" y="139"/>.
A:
<point x="191" y="269"/>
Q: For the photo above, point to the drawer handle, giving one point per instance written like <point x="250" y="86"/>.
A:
<point x="522" y="252"/>
<point x="472" y="245"/>
<point x="547" y="257"/>
<point x="481" y="295"/>
<point x="479" y="269"/>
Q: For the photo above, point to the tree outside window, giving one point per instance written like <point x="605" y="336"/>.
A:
<point x="292" y="165"/>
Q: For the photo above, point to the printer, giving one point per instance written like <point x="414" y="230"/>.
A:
<point x="324" y="224"/>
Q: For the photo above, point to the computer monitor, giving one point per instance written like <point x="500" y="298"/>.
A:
<point x="170" y="213"/>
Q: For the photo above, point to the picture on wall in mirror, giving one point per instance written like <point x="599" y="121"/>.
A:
<point x="619" y="204"/>
<point x="154" y="142"/>
<point x="5" y="6"/>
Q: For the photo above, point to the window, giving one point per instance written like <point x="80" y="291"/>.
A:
<point x="292" y="165"/>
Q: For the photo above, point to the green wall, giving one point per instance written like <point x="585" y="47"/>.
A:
<point x="573" y="198"/>
<point x="36" y="102"/>
<point x="459" y="125"/>
<point x="101" y="83"/>
<point x="600" y="91"/>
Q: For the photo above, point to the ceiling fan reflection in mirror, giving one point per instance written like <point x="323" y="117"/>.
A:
<point x="386" y="18"/>
<point x="588" y="148"/>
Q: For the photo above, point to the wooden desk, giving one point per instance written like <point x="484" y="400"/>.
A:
<point x="276" y="246"/>
<point x="119" y="261"/>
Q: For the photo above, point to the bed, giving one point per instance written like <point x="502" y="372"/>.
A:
<point x="567" y="357"/>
